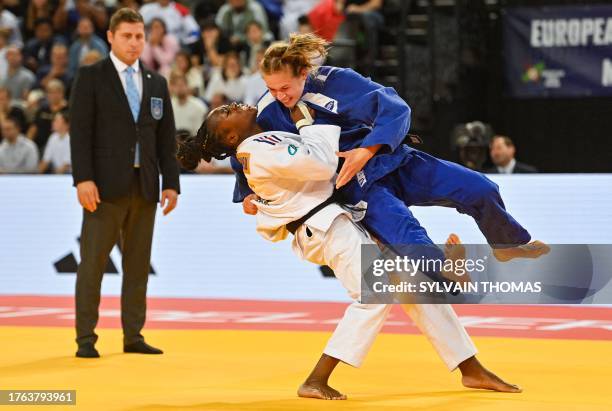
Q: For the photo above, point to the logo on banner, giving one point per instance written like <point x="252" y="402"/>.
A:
<point x="539" y="74"/>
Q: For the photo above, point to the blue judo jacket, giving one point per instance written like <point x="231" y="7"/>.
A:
<point x="367" y="112"/>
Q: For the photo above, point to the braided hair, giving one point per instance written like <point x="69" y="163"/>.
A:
<point x="204" y="145"/>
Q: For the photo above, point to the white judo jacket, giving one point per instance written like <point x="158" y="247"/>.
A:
<point x="292" y="174"/>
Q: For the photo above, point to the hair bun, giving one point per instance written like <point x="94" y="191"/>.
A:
<point x="189" y="153"/>
<point x="301" y="52"/>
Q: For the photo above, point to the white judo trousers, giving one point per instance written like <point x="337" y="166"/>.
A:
<point x="340" y="248"/>
<point x="292" y="174"/>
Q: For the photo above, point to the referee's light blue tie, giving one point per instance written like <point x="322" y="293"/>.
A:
<point x="134" y="102"/>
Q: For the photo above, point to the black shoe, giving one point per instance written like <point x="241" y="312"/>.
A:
<point x="87" y="350"/>
<point x="141" y="347"/>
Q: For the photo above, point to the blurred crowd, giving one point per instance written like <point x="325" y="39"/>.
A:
<point x="480" y="149"/>
<point x="208" y="50"/>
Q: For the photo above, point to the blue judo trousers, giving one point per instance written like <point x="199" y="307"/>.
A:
<point x="398" y="176"/>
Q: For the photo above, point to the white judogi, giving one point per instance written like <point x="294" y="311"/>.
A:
<point x="292" y="174"/>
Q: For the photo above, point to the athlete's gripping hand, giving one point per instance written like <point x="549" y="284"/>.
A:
<point x="247" y="204"/>
<point x="298" y="114"/>
<point x="354" y="161"/>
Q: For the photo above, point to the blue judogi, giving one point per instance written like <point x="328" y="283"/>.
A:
<point x="398" y="176"/>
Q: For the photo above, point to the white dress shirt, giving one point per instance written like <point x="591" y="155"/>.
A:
<point x="57" y="150"/>
<point x="190" y="114"/>
<point x="508" y="168"/>
<point x="233" y="89"/>
<point x="18" y="157"/>
<point x="120" y="66"/>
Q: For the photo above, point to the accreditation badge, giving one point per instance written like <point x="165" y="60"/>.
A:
<point x="157" y="108"/>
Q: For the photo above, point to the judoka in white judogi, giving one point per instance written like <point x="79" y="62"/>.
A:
<point x="292" y="174"/>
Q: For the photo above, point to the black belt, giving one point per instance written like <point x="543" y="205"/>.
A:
<point x="294" y="225"/>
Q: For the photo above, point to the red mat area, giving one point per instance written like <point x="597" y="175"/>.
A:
<point x="565" y="322"/>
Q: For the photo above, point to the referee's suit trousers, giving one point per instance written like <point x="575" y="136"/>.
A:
<point x="129" y="222"/>
<point x="340" y="248"/>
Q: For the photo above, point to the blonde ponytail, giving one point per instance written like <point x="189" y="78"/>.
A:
<point x="300" y="52"/>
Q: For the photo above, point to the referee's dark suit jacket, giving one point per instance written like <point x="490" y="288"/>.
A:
<point x="103" y="133"/>
<point x="103" y="138"/>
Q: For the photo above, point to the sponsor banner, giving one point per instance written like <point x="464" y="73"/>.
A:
<point x="207" y="248"/>
<point x="558" y="51"/>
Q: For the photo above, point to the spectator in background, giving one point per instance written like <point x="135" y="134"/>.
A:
<point x="293" y="11"/>
<point x="254" y="83"/>
<point x="19" y="80"/>
<point x="57" y="150"/>
<point x="58" y="69"/>
<point x="37" y="51"/>
<point x="234" y="16"/>
<point x="17" y="153"/>
<point x="131" y="4"/>
<point x="17" y="7"/>
<point x="204" y="9"/>
<point x="9" y="22"/>
<point x="44" y="9"/>
<point x="92" y="56"/>
<point x="32" y="104"/>
<point x="254" y="43"/>
<point x="4" y="36"/>
<point x="326" y="17"/>
<point x="86" y="41"/>
<point x="189" y="111"/>
<point x="218" y="100"/>
<point x="178" y="19"/>
<point x="228" y="79"/>
<point x="502" y="152"/>
<point x="367" y="12"/>
<point x="304" y="26"/>
<point x="93" y="10"/>
<point x="55" y="102"/>
<point x="196" y="67"/>
<point x="194" y="75"/>
<point x="212" y="47"/>
<point x="160" y="49"/>
<point x="8" y="109"/>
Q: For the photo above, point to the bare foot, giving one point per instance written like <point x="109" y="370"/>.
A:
<point x="534" y="249"/>
<point x="489" y="382"/>
<point x="478" y="377"/>
<point x="455" y="251"/>
<point x="319" y="390"/>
